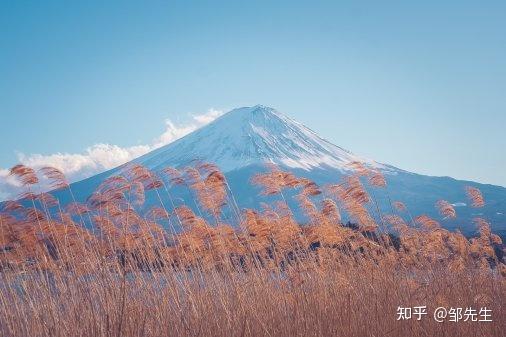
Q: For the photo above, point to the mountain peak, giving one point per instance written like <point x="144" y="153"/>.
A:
<point x="245" y="114"/>
<point x="256" y="109"/>
<point x="253" y="135"/>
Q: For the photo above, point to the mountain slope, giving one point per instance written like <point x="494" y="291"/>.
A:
<point x="253" y="135"/>
<point x="243" y="140"/>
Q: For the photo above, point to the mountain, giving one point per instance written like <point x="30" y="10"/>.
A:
<point x="253" y="135"/>
<point x="241" y="141"/>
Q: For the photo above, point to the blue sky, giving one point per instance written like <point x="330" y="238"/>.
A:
<point x="417" y="85"/>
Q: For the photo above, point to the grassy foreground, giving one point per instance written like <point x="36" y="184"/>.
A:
<point x="101" y="268"/>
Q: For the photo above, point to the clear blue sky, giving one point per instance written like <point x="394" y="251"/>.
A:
<point x="420" y="85"/>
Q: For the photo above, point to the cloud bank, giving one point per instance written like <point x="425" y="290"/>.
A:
<point x="100" y="157"/>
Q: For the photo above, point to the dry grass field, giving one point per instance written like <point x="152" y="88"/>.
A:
<point x="104" y="268"/>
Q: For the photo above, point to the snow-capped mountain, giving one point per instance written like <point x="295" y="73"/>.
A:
<point x="253" y="135"/>
<point x="243" y="140"/>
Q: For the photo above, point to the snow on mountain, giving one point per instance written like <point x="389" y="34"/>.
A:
<point x="255" y="135"/>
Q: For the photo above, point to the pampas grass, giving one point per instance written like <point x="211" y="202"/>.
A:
<point x="123" y="273"/>
<point x="446" y="209"/>
<point x="475" y="196"/>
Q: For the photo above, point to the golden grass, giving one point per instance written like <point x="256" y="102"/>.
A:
<point x="103" y="269"/>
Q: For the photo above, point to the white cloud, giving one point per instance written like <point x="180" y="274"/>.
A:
<point x="96" y="158"/>
<point x="100" y="157"/>
<point x="174" y="132"/>
<point x="208" y="117"/>
<point x="7" y="185"/>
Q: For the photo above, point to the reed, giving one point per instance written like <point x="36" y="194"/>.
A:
<point x="125" y="272"/>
